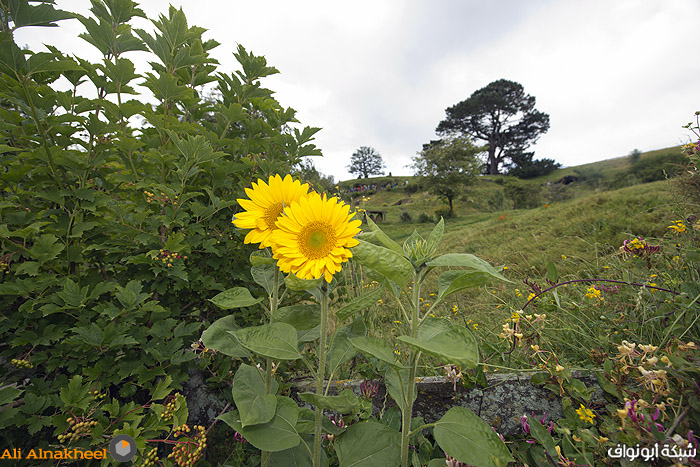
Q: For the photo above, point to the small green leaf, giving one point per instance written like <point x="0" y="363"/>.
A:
<point x="377" y="348"/>
<point x="162" y="389"/>
<point x="397" y="382"/>
<point x="541" y="434"/>
<point x="344" y="403"/>
<point x="449" y="344"/>
<point x="8" y="394"/>
<point x="276" y="435"/>
<point x="236" y="297"/>
<point x="299" y="285"/>
<point x="254" y="405"/>
<point x="467" y="438"/>
<point x="435" y="237"/>
<point x="369" y="444"/>
<point x="259" y="258"/>
<point x="538" y="379"/>
<point x="384" y="261"/>
<point x="383" y="238"/>
<point x="359" y="304"/>
<point x="465" y="260"/>
<point x="450" y="282"/>
<point x="45" y="248"/>
<point x="275" y="340"/>
<point x="219" y="336"/>
<point x="297" y="456"/>
<point x="302" y="317"/>
<point x="342" y="349"/>
<point x="264" y="275"/>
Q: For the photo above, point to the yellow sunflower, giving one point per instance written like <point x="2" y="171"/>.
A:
<point x="313" y="236"/>
<point x="266" y="203"/>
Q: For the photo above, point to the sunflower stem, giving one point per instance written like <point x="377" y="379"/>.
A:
<point x="274" y="302"/>
<point x="407" y="411"/>
<point x="320" y="375"/>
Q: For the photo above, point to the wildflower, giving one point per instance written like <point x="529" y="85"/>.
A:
<point x="592" y="292"/>
<point x="266" y="204"/>
<point x="452" y="375"/>
<point x="559" y="368"/>
<point x="517" y="292"/>
<point x="531" y="296"/>
<point x="313" y="237"/>
<point x="397" y="322"/>
<point x="585" y="414"/>
<point x="677" y="226"/>
<point x="563" y="256"/>
<point x="369" y="389"/>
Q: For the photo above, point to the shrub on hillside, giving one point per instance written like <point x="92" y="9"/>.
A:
<point x="412" y="188"/>
<point x="524" y="195"/>
<point x="424" y="218"/>
<point x="443" y="212"/>
<point x="406" y="216"/>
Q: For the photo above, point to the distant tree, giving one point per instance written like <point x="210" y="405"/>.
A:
<point x="366" y="161"/>
<point x="446" y="166"/>
<point x="502" y="116"/>
<point x="634" y="156"/>
<point x="307" y="172"/>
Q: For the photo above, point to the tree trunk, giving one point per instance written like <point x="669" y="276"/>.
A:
<point x="493" y="162"/>
<point x="452" y="213"/>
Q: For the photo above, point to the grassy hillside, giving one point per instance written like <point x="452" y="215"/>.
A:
<point x="579" y="228"/>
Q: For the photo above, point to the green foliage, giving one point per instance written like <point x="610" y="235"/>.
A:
<point x="114" y="236"/>
<point x="424" y="218"/>
<point x="406" y="217"/>
<point x="524" y="195"/>
<point x="444" y="167"/>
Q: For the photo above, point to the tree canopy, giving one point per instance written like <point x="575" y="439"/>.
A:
<point x="366" y="161"/>
<point x="445" y="166"/>
<point x="502" y="116"/>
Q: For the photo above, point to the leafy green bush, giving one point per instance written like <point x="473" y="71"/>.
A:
<point x="113" y="236"/>
<point x="424" y="218"/>
<point x="443" y="212"/>
<point x="412" y="188"/>
<point x="406" y="216"/>
<point x="524" y="195"/>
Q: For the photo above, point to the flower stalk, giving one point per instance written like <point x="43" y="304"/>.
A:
<point x="320" y="375"/>
<point x="407" y="412"/>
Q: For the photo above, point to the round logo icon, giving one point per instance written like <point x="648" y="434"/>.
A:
<point x="122" y="448"/>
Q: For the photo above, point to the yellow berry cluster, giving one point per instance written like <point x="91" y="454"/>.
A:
<point x="21" y="363"/>
<point x="167" y="257"/>
<point x="170" y="408"/>
<point x="4" y="266"/>
<point x="187" y="453"/>
<point x="97" y="395"/>
<point x="151" y="458"/>
<point x="77" y="429"/>
<point x="153" y="198"/>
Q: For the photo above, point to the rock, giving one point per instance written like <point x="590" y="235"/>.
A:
<point x="501" y="404"/>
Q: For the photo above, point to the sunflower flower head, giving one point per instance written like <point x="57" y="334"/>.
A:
<point x="267" y="202"/>
<point x="313" y="237"/>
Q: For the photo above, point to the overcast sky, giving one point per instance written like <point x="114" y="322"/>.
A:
<point x="613" y="75"/>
